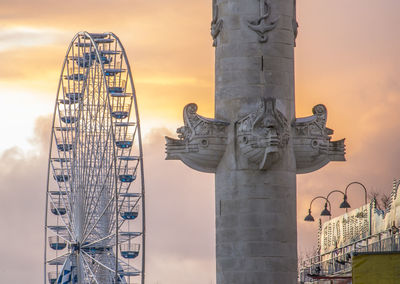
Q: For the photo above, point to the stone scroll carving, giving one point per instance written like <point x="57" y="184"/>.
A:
<point x="216" y="24"/>
<point x="313" y="147"/>
<point x="263" y="134"/>
<point x="202" y="141"/>
<point x="262" y="26"/>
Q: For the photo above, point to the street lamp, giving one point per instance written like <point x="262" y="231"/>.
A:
<point x="344" y="203"/>
<point x="309" y="217"/>
<point x="325" y="212"/>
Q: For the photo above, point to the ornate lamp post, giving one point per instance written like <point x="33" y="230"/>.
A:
<point x="325" y="212"/>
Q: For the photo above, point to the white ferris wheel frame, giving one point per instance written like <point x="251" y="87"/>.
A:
<point x="86" y="225"/>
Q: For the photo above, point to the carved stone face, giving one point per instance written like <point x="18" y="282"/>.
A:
<point x="267" y="130"/>
<point x="319" y="109"/>
<point x="262" y="134"/>
<point x="320" y="112"/>
<point x="183" y="132"/>
<point x="268" y="127"/>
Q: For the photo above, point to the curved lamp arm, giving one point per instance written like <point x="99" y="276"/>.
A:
<point x="344" y="204"/>
<point x="326" y="199"/>
<point x="359" y="183"/>
<point x="310" y="218"/>
<point x="333" y="191"/>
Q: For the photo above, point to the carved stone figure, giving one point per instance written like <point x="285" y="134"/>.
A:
<point x="216" y="24"/>
<point x="261" y="26"/>
<point x="263" y="134"/>
<point x="295" y="24"/>
<point x="201" y="142"/>
<point x="312" y="143"/>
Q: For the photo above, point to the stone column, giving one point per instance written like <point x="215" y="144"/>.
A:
<point x="255" y="208"/>
<point x="255" y="146"/>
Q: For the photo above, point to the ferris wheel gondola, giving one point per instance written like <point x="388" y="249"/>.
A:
<point x="95" y="221"/>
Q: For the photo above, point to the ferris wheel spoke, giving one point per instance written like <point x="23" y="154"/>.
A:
<point x="59" y="231"/>
<point x="89" y="244"/>
<point x="59" y="258"/>
<point x="87" y="267"/>
<point x="87" y="233"/>
<point x="96" y="199"/>
<point x="96" y="221"/>
<point x="98" y="262"/>
<point x="66" y="205"/>
<point x="66" y="224"/>
<point x="127" y="269"/>
<point x="89" y="135"/>
<point x="96" y="153"/>
<point x="94" y="179"/>
<point x="64" y="154"/>
<point x="78" y="171"/>
<point x="60" y="202"/>
<point x="89" y="171"/>
<point x="61" y="154"/>
<point x="124" y="268"/>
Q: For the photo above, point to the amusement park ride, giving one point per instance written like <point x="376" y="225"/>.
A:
<point x="95" y="221"/>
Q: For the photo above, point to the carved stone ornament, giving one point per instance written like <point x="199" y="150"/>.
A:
<point x="312" y="143"/>
<point x="263" y="134"/>
<point x="262" y="26"/>
<point x="216" y="24"/>
<point x="201" y="143"/>
<point x="295" y="24"/>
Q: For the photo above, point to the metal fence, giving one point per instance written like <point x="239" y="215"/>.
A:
<point x="339" y="261"/>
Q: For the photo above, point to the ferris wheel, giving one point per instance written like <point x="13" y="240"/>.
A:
<point x="95" y="221"/>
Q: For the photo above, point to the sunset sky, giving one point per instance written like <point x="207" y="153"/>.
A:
<point x="347" y="57"/>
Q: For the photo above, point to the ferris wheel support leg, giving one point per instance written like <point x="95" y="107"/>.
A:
<point x="79" y="270"/>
